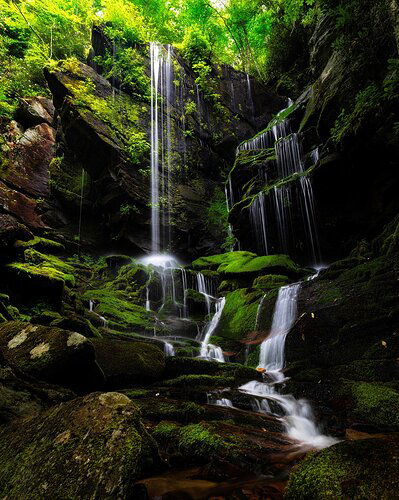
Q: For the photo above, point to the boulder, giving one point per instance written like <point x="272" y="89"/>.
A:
<point x="23" y="207"/>
<point x="11" y="231"/>
<point x="34" y="111"/>
<point x="127" y="363"/>
<point x="91" y="447"/>
<point x="366" y="468"/>
<point x="27" y="166"/>
<point x="51" y="354"/>
<point x="21" y="396"/>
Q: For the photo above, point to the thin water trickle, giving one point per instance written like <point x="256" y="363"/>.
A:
<point x="209" y="351"/>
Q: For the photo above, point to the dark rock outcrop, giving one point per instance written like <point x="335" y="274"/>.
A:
<point x="51" y="354"/>
<point x="126" y="364"/>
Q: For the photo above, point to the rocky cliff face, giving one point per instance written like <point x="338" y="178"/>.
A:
<point x="345" y="125"/>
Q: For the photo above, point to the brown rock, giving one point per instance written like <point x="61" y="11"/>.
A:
<point x="35" y="110"/>
<point x="29" y="159"/>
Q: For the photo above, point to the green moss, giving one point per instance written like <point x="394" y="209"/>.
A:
<point x="253" y="357"/>
<point x="34" y="257"/>
<point x="116" y="307"/>
<point x="354" y="469"/>
<point x="375" y="403"/>
<point x="239" y="314"/>
<point x="199" y="440"/>
<point x="214" y="261"/>
<point x="165" y="432"/>
<point x="189" y="381"/>
<point x="270" y="281"/>
<point x="42" y="271"/>
<point x="41" y="244"/>
<point x="120" y="114"/>
<point x="330" y="295"/>
<point x="246" y="262"/>
<point x="179" y="411"/>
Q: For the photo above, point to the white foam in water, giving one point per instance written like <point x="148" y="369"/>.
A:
<point x="296" y="415"/>
<point x="209" y="351"/>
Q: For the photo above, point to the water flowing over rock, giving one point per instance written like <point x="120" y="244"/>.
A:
<point x="297" y="414"/>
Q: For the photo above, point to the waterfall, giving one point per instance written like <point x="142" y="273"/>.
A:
<point x="272" y="349"/>
<point x="162" y="97"/>
<point x="204" y="290"/>
<point x="250" y="98"/>
<point x="173" y="280"/>
<point x="169" y="349"/>
<point x="147" y="299"/>
<point x="209" y="351"/>
<point x="101" y="318"/>
<point x="279" y="206"/>
<point x="297" y="415"/>
<point x="258" y="212"/>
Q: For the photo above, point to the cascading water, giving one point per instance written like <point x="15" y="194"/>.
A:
<point x="204" y="290"/>
<point x="297" y="416"/>
<point x="209" y="351"/>
<point x="272" y="349"/>
<point x="103" y="320"/>
<point x="284" y="200"/>
<point x="169" y="349"/>
<point x="259" y="222"/>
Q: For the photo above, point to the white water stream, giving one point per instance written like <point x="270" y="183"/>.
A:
<point x="209" y="351"/>
<point x="296" y="415"/>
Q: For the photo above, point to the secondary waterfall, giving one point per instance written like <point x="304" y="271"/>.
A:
<point x="162" y="97"/>
<point x="296" y="414"/>
<point x="271" y="356"/>
<point x="209" y="351"/>
<point x="282" y="205"/>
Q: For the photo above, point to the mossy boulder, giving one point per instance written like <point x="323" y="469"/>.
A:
<point x="243" y="265"/>
<point x="270" y="282"/>
<point x="181" y="369"/>
<point x="372" y="403"/>
<point x="41" y="245"/>
<point x="127" y="363"/>
<point x="367" y="468"/>
<point x="116" y="307"/>
<point x="51" y="354"/>
<point x="94" y="445"/>
<point x="239" y="314"/>
<point x="76" y="324"/>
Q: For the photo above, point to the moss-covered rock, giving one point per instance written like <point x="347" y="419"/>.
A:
<point x="269" y="282"/>
<point x="41" y="245"/>
<point x="233" y="264"/>
<point x="91" y="444"/>
<point x="239" y="314"/>
<point x="51" y="354"/>
<point x="115" y="307"/>
<point x="377" y="404"/>
<point x="354" y="469"/>
<point x="126" y="364"/>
